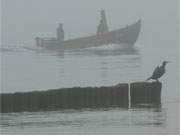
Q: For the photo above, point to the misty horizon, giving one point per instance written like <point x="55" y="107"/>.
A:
<point x="22" y="21"/>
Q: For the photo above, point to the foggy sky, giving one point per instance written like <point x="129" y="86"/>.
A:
<point x="23" y="20"/>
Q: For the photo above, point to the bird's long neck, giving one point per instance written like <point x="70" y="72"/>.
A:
<point x="163" y="66"/>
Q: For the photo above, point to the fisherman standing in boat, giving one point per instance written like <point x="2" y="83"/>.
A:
<point x="60" y="33"/>
<point x="102" y="27"/>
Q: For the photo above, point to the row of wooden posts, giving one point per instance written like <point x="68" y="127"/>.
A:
<point x="121" y="95"/>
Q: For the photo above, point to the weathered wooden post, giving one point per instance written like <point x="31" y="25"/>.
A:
<point x="145" y="93"/>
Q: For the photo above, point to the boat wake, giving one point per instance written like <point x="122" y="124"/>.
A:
<point x="105" y="50"/>
<point x="20" y="48"/>
<point x="11" y="48"/>
<point x="107" y="47"/>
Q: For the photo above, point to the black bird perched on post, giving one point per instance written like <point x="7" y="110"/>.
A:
<point x="158" y="72"/>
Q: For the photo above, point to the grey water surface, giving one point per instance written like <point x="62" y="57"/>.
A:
<point x="40" y="69"/>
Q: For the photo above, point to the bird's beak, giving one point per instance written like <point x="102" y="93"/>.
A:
<point x="168" y="62"/>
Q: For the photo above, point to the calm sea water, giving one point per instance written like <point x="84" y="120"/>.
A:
<point x="26" y="69"/>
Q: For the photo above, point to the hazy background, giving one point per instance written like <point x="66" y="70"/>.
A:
<point x="22" y="20"/>
<point x="26" y="70"/>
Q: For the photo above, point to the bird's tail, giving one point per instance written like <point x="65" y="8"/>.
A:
<point x="148" y="78"/>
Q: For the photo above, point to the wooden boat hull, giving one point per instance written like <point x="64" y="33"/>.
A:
<point x="125" y="36"/>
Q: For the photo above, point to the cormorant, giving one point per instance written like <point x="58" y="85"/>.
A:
<point x="158" y="72"/>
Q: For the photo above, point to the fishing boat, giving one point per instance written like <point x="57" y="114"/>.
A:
<point x="125" y="37"/>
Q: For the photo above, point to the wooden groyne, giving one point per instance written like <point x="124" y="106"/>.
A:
<point x="78" y="98"/>
<point x="145" y="93"/>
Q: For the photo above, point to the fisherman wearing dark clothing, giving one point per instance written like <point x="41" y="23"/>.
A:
<point x="102" y="27"/>
<point x="60" y="33"/>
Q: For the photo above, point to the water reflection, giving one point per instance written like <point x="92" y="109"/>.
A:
<point x="143" y="117"/>
<point x="105" y="64"/>
<point x="100" y="52"/>
<point x="148" y="117"/>
<point x="104" y="70"/>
